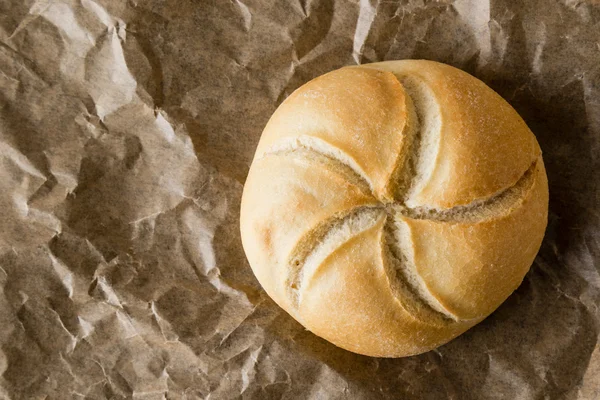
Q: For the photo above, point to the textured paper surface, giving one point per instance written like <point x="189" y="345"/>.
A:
<point x="126" y="131"/>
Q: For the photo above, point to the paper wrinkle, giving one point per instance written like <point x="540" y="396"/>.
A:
<point x="476" y="15"/>
<point x="364" y="23"/>
<point x="62" y="16"/>
<point x="65" y="276"/>
<point x="100" y="13"/>
<point x="126" y="134"/>
<point x="246" y="13"/>
<point x="111" y="84"/>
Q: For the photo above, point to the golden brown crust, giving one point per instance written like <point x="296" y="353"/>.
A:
<point x="324" y="193"/>
<point x="484" y="145"/>
<point x="357" y="309"/>
<point x="366" y="120"/>
<point x="473" y="266"/>
<point x="286" y="197"/>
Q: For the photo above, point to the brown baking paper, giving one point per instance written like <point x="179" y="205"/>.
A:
<point x="127" y="128"/>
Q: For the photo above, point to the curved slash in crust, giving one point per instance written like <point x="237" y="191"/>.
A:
<point x="422" y="141"/>
<point x="405" y="282"/>
<point x="316" y="246"/>
<point x="325" y="153"/>
<point x="497" y="205"/>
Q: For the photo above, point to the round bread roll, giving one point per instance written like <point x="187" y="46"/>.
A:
<point x="392" y="206"/>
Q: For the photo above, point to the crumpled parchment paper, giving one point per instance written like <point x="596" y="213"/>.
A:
<point x="126" y="131"/>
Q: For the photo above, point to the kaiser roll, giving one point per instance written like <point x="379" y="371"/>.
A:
<point x="392" y="206"/>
